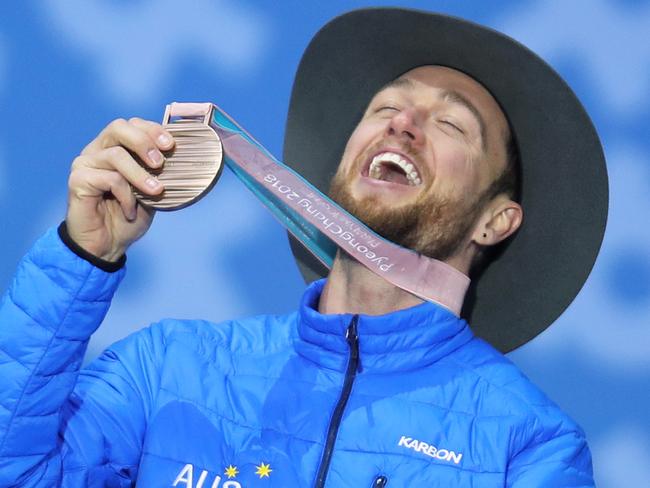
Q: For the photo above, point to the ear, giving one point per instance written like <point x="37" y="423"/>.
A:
<point x="501" y="218"/>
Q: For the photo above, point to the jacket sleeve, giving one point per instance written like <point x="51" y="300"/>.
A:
<point x="59" y="427"/>
<point x="562" y="460"/>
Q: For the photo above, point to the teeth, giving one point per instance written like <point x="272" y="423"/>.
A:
<point x="412" y="174"/>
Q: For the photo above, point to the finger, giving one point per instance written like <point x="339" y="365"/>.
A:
<point x="95" y="182"/>
<point x="130" y="136"/>
<point x="156" y="131"/>
<point x="118" y="159"/>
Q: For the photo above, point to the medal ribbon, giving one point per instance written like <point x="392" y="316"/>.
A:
<point x="319" y="223"/>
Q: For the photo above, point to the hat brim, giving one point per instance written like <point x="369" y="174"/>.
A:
<point x="564" y="190"/>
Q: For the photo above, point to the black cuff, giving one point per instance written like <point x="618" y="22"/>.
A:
<point x="108" y="266"/>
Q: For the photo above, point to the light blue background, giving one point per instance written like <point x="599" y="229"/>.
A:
<point x="68" y="67"/>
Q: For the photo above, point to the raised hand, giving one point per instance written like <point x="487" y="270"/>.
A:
<point x="103" y="216"/>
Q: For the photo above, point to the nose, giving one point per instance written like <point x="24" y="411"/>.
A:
<point x="406" y="126"/>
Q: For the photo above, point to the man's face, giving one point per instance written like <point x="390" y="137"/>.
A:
<point x="418" y="164"/>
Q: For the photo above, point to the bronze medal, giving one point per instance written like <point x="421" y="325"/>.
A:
<point x="190" y="169"/>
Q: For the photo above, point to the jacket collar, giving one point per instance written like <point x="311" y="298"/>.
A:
<point x="406" y="339"/>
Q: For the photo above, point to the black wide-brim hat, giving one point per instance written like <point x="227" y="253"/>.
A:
<point x="564" y="191"/>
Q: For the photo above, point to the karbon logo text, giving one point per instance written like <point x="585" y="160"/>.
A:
<point x="430" y="450"/>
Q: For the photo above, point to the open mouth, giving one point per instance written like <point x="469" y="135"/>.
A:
<point x="394" y="168"/>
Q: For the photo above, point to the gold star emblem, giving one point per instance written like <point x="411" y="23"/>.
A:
<point x="231" y="471"/>
<point x="263" y="470"/>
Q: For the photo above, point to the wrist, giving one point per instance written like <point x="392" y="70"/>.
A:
<point x="110" y="264"/>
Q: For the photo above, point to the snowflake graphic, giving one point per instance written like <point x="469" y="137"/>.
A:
<point x="135" y="46"/>
<point x="610" y="41"/>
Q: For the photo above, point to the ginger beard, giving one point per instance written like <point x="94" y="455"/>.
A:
<point x="434" y="226"/>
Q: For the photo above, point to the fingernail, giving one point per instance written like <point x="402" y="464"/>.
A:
<point x="155" y="157"/>
<point x="164" y="140"/>
<point x="152" y="182"/>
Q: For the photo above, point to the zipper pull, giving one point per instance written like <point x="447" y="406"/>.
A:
<point x="380" y="482"/>
<point x="352" y="338"/>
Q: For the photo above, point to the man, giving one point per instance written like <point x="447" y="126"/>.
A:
<point x="366" y="384"/>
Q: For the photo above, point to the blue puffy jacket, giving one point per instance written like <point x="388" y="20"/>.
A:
<point x="409" y="399"/>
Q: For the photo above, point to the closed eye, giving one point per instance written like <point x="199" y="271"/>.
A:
<point x="453" y="126"/>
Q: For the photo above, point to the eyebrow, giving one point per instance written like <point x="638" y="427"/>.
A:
<point x="451" y="96"/>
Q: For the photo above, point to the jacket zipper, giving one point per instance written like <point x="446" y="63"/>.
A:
<point x="380" y="482"/>
<point x="352" y="339"/>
